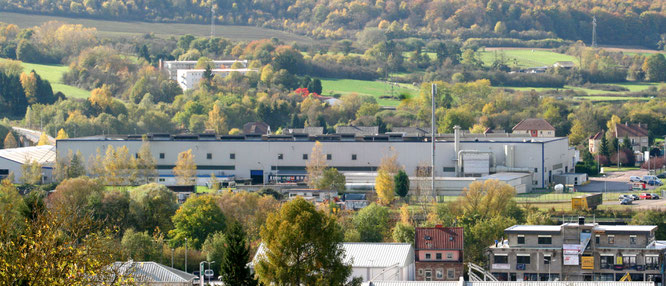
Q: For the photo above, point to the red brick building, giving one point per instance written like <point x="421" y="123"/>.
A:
<point x="439" y="253"/>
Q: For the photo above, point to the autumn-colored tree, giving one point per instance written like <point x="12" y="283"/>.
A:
<point x="316" y="165"/>
<point x="101" y="97"/>
<point x="146" y="165"/>
<point x="29" y="83"/>
<point x="217" y="120"/>
<point x="384" y="187"/>
<point x="577" y="134"/>
<point x="196" y="219"/>
<point x="10" y="141"/>
<point x="43" y="139"/>
<point x="185" y="169"/>
<point x="234" y="131"/>
<point x="62" y="134"/>
<point x="31" y="173"/>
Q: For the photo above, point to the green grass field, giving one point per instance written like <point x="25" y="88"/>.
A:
<point x="525" y="58"/>
<point x="132" y="28"/>
<point x="53" y="73"/>
<point x="598" y="95"/>
<point x="363" y="87"/>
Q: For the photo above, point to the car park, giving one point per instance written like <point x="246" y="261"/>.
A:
<point x="655" y="196"/>
<point x="626" y="201"/>
<point x="646" y="196"/>
<point x="648" y="178"/>
<point x="635" y="179"/>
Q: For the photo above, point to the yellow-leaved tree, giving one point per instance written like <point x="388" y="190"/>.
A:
<point x="43" y="139"/>
<point x="384" y="184"/>
<point x="217" y="120"/>
<point x="316" y="165"/>
<point x="62" y="134"/>
<point x="185" y="170"/>
<point x="101" y="97"/>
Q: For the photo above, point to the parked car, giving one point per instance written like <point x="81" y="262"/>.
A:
<point x="654" y="183"/>
<point x="626" y="201"/>
<point x="648" y="178"/>
<point x="634" y="179"/>
<point x="622" y="197"/>
<point x="662" y="176"/>
<point x="655" y="196"/>
<point x="635" y="197"/>
<point x="646" y="196"/>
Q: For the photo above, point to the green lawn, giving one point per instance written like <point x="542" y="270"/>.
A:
<point x="525" y="58"/>
<point x="375" y="89"/>
<point x="598" y="95"/>
<point x="133" y="28"/>
<point x="53" y="73"/>
<point x="621" y="169"/>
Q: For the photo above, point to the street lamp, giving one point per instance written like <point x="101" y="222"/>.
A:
<point x="186" y="254"/>
<point x="201" y="271"/>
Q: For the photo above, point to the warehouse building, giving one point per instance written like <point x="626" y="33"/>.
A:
<point x="172" y="67"/>
<point x="464" y="157"/>
<point x="13" y="159"/>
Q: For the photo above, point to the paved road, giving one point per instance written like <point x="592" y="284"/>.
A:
<point x="613" y="182"/>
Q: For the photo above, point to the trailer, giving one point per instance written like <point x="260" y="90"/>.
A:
<point x="586" y="202"/>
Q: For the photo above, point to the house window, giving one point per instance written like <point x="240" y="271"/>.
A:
<point x="521" y="239"/>
<point x="161" y="179"/>
<point x="136" y="155"/>
<point x="305" y="156"/>
<point x="651" y="260"/>
<point x="428" y="275"/>
<point x="611" y="239"/>
<point x="523" y="259"/>
<point x="428" y="256"/>
<point x="232" y="156"/>
<point x="501" y="259"/>
<point x="449" y="255"/>
<point x="439" y="273"/>
<point x="545" y="240"/>
<point x="546" y="260"/>
<point x="353" y="157"/>
<point x="438" y="256"/>
<point x="161" y="155"/>
<point x="280" y="156"/>
<point x="420" y="271"/>
<point x="607" y="261"/>
<point x="209" y="156"/>
<point x="329" y="156"/>
<point x="597" y="239"/>
<point x="629" y="260"/>
<point x="450" y="273"/>
<point x="632" y="239"/>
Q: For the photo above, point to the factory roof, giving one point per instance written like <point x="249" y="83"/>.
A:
<point x="151" y="272"/>
<point x="44" y="155"/>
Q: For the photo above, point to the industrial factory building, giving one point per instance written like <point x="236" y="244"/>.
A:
<point x="528" y="162"/>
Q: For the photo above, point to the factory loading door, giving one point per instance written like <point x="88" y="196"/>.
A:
<point x="257" y="177"/>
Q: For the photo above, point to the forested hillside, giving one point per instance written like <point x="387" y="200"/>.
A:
<point x="619" y="21"/>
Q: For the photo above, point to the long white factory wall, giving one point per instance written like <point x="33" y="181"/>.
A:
<point x="538" y="157"/>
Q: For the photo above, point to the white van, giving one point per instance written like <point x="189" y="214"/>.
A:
<point x="648" y="178"/>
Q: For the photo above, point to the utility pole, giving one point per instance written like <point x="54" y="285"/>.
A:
<point x="594" y="31"/>
<point x="212" y="20"/>
<point x="433" y="91"/>
<point x="186" y="254"/>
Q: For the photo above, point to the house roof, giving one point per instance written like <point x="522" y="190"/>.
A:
<point x="533" y="124"/>
<point x="357" y="130"/>
<point x="365" y="254"/>
<point x="256" y="128"/>
<point x="44" y="155"/>
<point x="380" y="255"/>
<point x="631" y="130"/>
<point x="439" y="238"/>
<point x="410" y="131"/>
<point x="151" y="272"/>
<point x="597" y="136"/>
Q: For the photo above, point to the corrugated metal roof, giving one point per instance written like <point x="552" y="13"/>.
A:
<point x="509" y="283"/>
<point x="439" y="238"/>
<point x="32" y="135"/>
<point x="44" y="155"/>
<point x="363" y="254"/>
<point x="378" y="254"/>
<point x="152" y="272"/>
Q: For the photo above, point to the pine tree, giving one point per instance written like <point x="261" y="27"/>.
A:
<point x="76" y="168"/>
<point x="234" y="269"/>
<point x="401" y="183"/>
<point x="10" y="141"/>
<point x="603" y="149"/>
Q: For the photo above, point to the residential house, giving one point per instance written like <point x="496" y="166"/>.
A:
<point x="535" y="127"/>
<point x="354" y="201"/>
<point x="637" y="134"/>
<point x="577" y="251"/>
<point x="594" y="142"/>
<point x="256" y="128"/>
<point x="439" y="253"/>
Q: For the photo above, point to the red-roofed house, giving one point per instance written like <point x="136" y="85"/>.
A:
<point x="439" y="253"/>
<point x="594" y="143"/>
<point x="535" y="127"/>
<point x="637" y="133"/>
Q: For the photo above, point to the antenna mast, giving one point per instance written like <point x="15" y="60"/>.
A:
<point x="433" y="91"/>
<point x="594" y="31"/>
